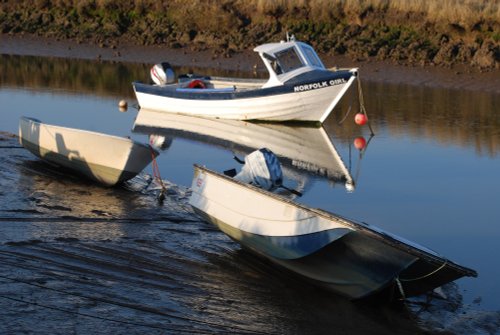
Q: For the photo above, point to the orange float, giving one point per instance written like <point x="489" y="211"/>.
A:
<point x="359" y="143"/>
<point x="360" y="119"/>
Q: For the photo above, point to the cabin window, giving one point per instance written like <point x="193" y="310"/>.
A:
<point x="312" y="57"/>
<point x="287" y="60"/>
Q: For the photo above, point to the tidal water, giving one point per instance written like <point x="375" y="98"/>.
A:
<point x="85" y="257"/>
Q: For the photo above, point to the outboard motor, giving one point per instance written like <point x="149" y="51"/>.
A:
<point x="162" y="74"/>
<point x="263" y="169"/>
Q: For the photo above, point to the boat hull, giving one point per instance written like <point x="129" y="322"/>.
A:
<point x="103" y="158"/>
<point x="309" y="101"/>
<point x="349" y="258"/>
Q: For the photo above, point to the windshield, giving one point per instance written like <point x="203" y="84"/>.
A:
<point x="311" y="56"/>
<point x="287" y="60"/>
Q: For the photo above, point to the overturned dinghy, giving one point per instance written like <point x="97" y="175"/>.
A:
<point x="106" y="159"/>
<point x="350" y="258"/>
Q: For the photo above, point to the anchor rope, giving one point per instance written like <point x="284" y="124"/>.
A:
<point x="362" y="104"/>
<point x="400" y="288"/>
<point x="157" y="176"/>
<point x="403" y="299"/>
<point x="362" y="107"/>
<point x="348" y="110"/>
<point x="427" y="275"/>
<point x="399" y="280"/>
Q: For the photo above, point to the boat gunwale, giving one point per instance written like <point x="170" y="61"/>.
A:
<point x="90" y="132"/>
<point x="288" y="87"/>
<point x="361" y="226"/>
<point x="254" y="81"/>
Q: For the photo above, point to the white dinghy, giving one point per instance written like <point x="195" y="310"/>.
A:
<point x="350" y="258"/>
<point x="106" y="159"/>
<point x="299" y="88"/>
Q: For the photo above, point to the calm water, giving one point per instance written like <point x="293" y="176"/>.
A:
<point x="430" y="174"/>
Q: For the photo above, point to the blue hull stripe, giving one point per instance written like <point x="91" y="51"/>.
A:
<point x="200" y="94"/>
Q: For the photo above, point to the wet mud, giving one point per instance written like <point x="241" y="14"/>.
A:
<point x="78" y="258"/>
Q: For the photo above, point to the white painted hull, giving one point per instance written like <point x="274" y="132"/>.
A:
<point x="302" y="106"/>
<point x="353" y="259"/>
<point x="104" y="158"/>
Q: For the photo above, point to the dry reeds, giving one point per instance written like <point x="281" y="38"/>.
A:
<point x="465" y="12"/>
<point x="420" y="32"/>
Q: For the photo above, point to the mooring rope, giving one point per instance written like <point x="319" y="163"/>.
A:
<point x="362" y="104"/>
<point x="157" y="176"/>
<point x="427" y="275"/>
<point x="348" y="110"/>
<point x="400" y="288"/>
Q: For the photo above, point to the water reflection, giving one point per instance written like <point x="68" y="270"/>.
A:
<point x="49" y="189"/>
<point x="449" y="117"/>
<point x="416" y="176"/>
<point x="101" y="78"/>
<point x="122" y="255"/>
<point x="82" y="76"/>
<point x="303" y="151"/>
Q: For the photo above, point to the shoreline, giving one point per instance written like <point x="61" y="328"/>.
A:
<point x="457" y="77"/>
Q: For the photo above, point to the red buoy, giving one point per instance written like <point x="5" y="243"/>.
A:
<point x="360" y="143"/>
<point x="360" y="119"/>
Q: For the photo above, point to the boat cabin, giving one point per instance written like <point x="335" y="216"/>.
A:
<point x="286" y="60"/>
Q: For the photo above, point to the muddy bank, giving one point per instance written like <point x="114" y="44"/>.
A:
<point x="421" y="33"/>
<point x="457" y="77"/>
<point x="79" y="258"/>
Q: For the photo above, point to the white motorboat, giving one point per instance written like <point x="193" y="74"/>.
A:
<point x="103" y="158"/>
<point x="299" y="88"/>
<point x="351" y="258"/>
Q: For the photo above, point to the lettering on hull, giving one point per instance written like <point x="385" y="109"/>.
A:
<point x="320" y="84"/>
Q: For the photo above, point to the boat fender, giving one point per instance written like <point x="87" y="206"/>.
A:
<point x="196" y="83"/>
<point x="162" y="74"/>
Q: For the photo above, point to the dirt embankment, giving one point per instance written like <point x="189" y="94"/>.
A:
<point x="412" y="33"/>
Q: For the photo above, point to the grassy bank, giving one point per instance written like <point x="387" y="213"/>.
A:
<point x="423" y="32"/>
